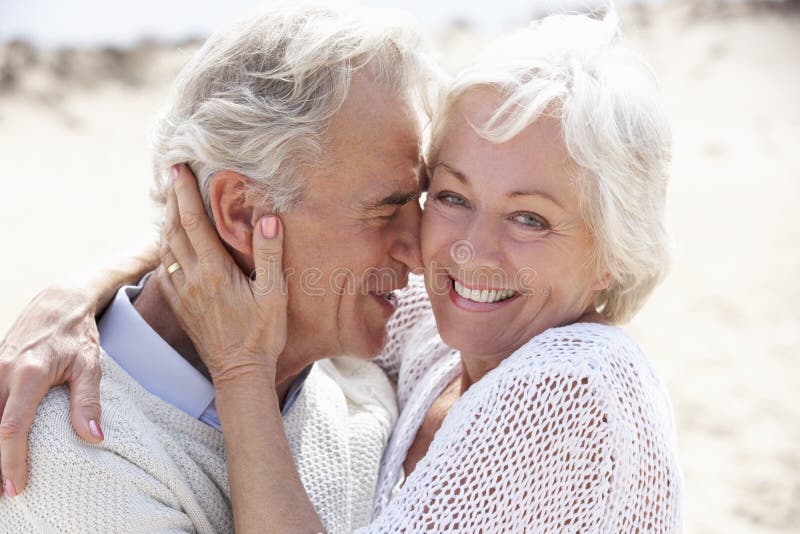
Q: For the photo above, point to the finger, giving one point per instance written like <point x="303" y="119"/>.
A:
<point x="268" y="260"/>
<point x="201" y="234"/>
<point x="175" y="235"/>
<point x="168" y="261"/>
<point x="84" y="393"/>
<point x="167" y="288"/>
<point x="20" y="409"/>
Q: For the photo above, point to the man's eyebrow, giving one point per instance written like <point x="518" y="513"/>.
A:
<point x="397" y="198"/>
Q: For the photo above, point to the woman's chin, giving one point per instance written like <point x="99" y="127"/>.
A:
<point x="473" y="342"/>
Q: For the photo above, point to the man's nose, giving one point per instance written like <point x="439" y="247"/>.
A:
<point x="405" y="244"/>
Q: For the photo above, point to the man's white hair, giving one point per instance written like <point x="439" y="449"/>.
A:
<point x="575" y="68"/>
<point x="257" y="98"/>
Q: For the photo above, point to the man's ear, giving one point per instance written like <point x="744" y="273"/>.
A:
<point x="235" y="210"/>
<point x="603" y="281"/>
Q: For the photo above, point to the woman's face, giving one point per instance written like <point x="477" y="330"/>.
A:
<point x="506" y="251"/>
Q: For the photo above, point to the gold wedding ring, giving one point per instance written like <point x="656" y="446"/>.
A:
<point x="174" y="267"/>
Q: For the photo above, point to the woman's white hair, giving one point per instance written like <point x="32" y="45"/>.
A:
<point x="574" y="67"/>
<point x="257" y="98"/>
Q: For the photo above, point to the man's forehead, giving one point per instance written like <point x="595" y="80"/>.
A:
<point x="374" y="116"/>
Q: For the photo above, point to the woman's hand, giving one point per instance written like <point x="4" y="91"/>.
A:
<point x="54" y="341"/>
<point x="237" y="324"/>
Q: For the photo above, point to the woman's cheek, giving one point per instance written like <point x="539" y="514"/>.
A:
<point x="527" y="261"/>
<point x="438" y="227"/>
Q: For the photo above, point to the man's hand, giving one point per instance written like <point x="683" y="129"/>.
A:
<point x="54" y="341"/>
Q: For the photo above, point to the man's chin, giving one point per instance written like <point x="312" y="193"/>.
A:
<point x="370" y="344"/>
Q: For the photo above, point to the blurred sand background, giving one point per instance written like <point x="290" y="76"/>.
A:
<point x="724" y="330"/>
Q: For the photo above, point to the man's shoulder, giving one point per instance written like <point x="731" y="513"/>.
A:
<point x="141" y="431"/>
<point x="116" y="396"/>
<point x="149" y="473"/>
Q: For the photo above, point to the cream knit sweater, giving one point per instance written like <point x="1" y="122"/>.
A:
<point x="571" y="433"/>
<point x="160" y="470"/>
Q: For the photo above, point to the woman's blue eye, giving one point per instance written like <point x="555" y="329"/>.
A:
<point x="451" y="199"/>
<point x="530" y="220"/>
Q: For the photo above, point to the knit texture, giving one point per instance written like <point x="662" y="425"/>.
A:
<point x="571" y="433"/>
<point x="160" y="470"/>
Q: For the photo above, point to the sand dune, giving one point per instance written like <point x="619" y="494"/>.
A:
<point x="723" y="329"/>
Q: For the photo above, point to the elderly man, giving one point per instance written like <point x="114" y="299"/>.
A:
<point x="307" y="112"/>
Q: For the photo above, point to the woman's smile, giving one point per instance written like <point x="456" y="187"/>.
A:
<point x="480" y="299"/>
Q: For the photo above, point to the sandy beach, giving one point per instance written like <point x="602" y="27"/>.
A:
<point x="722" y="330"/>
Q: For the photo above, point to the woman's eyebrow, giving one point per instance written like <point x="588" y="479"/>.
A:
<point x="458" y="174"/>
<point x="536" y="193"/>
<point x="528" y="192"/>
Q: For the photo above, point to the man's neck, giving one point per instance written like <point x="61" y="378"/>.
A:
<point x="150" y="304"/>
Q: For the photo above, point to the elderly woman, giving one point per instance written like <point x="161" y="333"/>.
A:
<point x="522" y="406"/>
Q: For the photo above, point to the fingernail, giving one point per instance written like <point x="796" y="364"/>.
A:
<point x="174" y="171"/>
<point x="95" y="430"/>
<point x="269" y="226"/>
<point x="9" y="489"/>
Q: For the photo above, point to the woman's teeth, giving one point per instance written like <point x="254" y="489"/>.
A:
<point x="485" y="295"/>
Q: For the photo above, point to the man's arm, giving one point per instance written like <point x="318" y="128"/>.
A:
<point x="55" y="341"/>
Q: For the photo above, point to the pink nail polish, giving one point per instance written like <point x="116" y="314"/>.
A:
<point x="9" y="489"/>
<point x="174" y="171"/>
<point x="95" y="430"/>
<point x="269" y="226"/>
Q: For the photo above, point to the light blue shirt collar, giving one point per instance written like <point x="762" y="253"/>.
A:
<point x="150" y="360"/>
<point x="153" y="363"/>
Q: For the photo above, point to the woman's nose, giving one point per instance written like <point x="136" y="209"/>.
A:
<point x="480" y="246"/>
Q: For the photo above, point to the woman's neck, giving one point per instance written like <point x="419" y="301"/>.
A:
<point x="475" y="366"/>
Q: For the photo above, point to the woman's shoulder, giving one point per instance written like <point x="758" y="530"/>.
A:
<point x="583" y="348"/>
<point x="600" y="360"/>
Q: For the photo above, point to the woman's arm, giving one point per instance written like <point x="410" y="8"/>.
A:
<point x="238" y="326"/>
<point x="266" y="490"/>
<point x="55" y="341"/>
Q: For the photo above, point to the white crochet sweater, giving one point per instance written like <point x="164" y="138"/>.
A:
<point x="571" y="433"/>
<point x="161" y="470"/>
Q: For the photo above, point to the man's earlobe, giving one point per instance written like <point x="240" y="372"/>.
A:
<point x="604" y="281"/>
